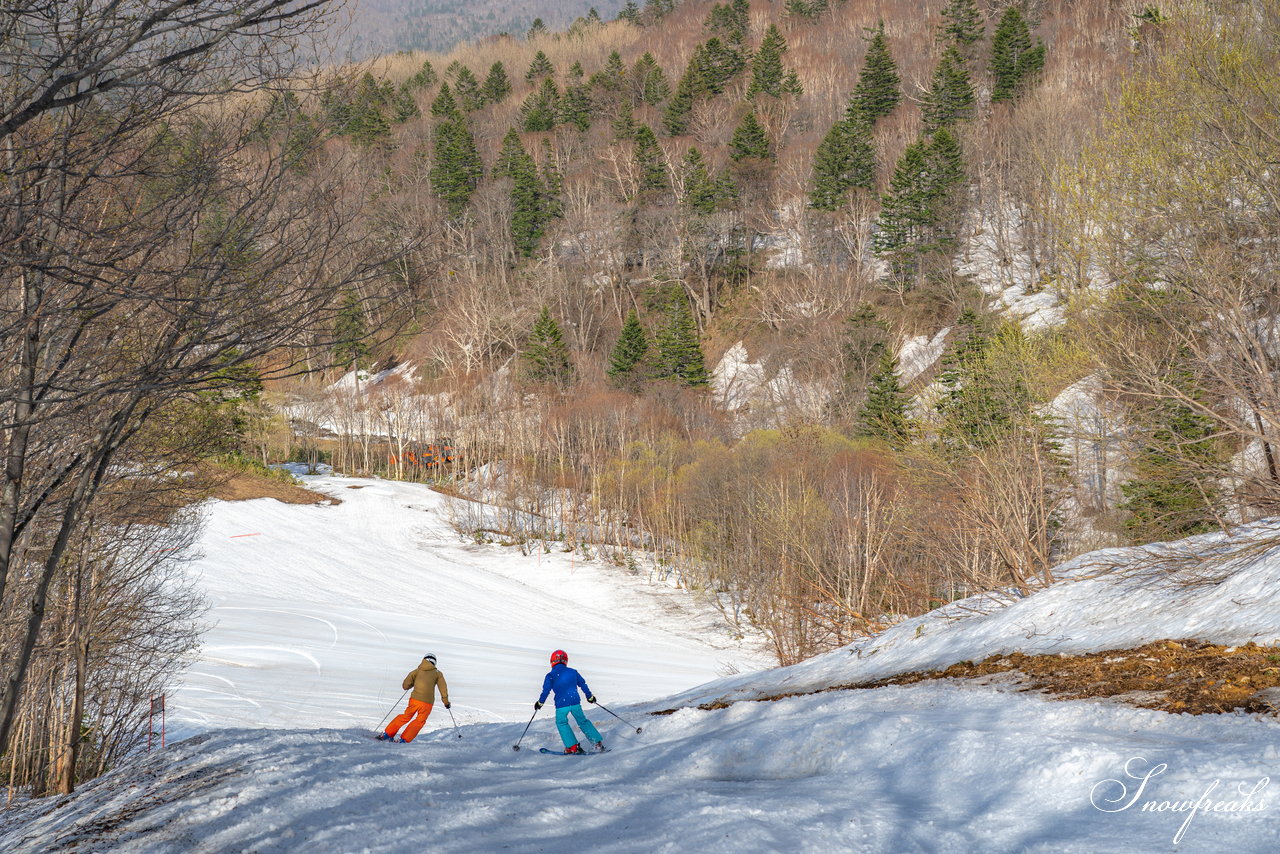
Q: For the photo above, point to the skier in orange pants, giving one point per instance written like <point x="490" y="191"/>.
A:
<point x="423" y="681"/>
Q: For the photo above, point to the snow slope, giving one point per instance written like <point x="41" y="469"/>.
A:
<point x="320" y="611"/>
<point x="931" y="767"/>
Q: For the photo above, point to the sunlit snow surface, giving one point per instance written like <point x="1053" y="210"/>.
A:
<point x="320" y="611"/>
<point x="342" y="596"/>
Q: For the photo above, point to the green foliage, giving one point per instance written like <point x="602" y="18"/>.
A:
<point x="425" y="77"/>
<point x="885" y="414"/>
<point x="649" y="82"/>
<point x="679" y="352"/>
<point x="496" y="84"/>
<point x="627" y="359"/>
<point x="863" y="341"/>
<point x="809" y="10"/>
<point x="444" y="106"/>
<point x="466" y="90"/>
<point x="624" y="124"/>
<point x="986" y="393"/>
<point x="613" y="77"/>
<point x="703" y="193"/>
<point x="680" y="108"/>
<point x="845" y="160"/>
<point x="1015" y="60"/>
<point x="540" y="67"/>
<point x="532" y="206"/>
<point x="537" y="28"/>
<point x="718" y="62"/>
<point x="918" y="213"/>
<point x="540" y="109"/>
<point x="653" y="170"/>
<point x="406" y="106"/>
<point x="1174" y="486"/>
<point x="962" y="22"/>
<point x="575" y="106"/>
<point x="656" y="10"/>
<point x="750" y="140"/>
<point x="630" y="13"/>
<point x="877" y="92"/>
<point x="456" y="167"/>
<point x="731" y="20"/>
<point x="545" y="356"/>
<point x="349" y="333"/>
<point x="950" y="96"/>
<point x="768" y="77"/>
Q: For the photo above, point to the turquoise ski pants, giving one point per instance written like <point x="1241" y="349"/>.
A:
<point x="566" y="732"/>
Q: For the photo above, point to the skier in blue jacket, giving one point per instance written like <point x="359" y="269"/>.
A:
<point x="565" y="681"/>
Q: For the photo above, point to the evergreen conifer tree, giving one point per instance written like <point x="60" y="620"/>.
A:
<point x="750" y="140"/>
<point x="845" y="159"/>
<point x="540" y="67"/>
<point x="983" y="400"/>
<point x="950" y="96"/>
<point x="575" y="106"/>
<point x="496" y="84"/>
<point x="919" y="211"/>
<point x="627" y="359"/>
<point x="349" y="333"/>
<point x="679" y="352"/>
<point x="532" y="203"/>
<point x="1015" y="60"/>
<point x="539" y="111"/>
<point x="630" y="13"/>
<point x="653" y="171"/>
<point x="624" y="125"/>
<point x="456" y="167"/>
<point x="719" y="62"/>
<point x="424" y="77"/>
<point x="767" y="74"/>
<point x="466" y="90"/>
<point x="877" y="93"/>
<point x="654" y="86"/>
<point x="962" y="22"/>
<point x="701" y="192"/>
<point x="1169" y="495"/>
<point x="444" y="106"/>
<point x="680" y="108"/>
<point x="537" y="28"/>
<point x="885" y="415"/>
<point x="613" y="77"/>
<point x="406" y="107"/>
<point x="509" y="155"/>
<point x="545" y="356"/>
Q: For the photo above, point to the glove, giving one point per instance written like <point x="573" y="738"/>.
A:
<point x="591" y="699"/>
<point x="447" y="704"/>
<point x="537" y="706"/>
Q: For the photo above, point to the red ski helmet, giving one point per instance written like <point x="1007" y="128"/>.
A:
<point x="559" y="657"/>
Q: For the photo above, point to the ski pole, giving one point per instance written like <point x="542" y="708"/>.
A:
<point x="394" y="706"/>
<point x="619" y="717"/>
<point x="455" y="721"/>
<point x="516" y="746"/>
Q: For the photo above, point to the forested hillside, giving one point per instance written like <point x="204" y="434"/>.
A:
<point x="837" y="311"/>
<point x="852" y="310"/>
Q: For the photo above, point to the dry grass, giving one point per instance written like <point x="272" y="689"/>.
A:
<point x="244" y="486"/>
<point x="1186" y="677"/>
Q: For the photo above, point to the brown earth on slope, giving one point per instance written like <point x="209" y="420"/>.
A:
<point x="243" y="486"/>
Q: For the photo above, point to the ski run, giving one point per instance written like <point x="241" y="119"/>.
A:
<point x="318" y="612"/>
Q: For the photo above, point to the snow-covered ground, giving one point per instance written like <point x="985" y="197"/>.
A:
<point x="931" y="767"/>
<point x="319" y="611"/>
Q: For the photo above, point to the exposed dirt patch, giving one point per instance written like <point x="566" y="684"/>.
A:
<point x="242" y="486"/>
<point x="1185" y="676"/>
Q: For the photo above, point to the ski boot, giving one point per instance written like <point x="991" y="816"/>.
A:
<point x="577" y="748"/>
<point x="598" y="746"/>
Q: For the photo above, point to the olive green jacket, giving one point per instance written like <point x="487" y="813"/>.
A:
<point x="423" y="681"/>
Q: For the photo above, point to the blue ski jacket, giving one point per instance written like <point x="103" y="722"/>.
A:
<point x="565" y="681"/>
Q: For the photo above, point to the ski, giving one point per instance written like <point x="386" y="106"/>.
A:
<point x="551" y="752"/>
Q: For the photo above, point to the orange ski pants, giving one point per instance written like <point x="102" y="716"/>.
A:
<point x="415" y="715"/>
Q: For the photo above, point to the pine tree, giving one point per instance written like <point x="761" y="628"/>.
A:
<point x="750" y="140"/>
<point x="540" y="67"/>
<point x="456" y="167"/>
<point x="545" y="356"/>
<point x="876" y="93"/>
<point x="950" y="97"/>
<point x="656" y="10"/>
<point x="627" y="358"/>
<point x="653" y="171"/>
<point x="701" y="192"/>
<point x="680" y="108"/>
<point x="575" y="106"/>
<point x="845" y="159"/>
<point x="679" y="352"/>
<point x="349" y="333"/>
<point x="496" y="84"/>
<point x="530" y="199"/>
<point x="885" y="415"/>
<point x="444" y="106"/>
<point x="575" y="71"/>
<point x="718" y="63"/>
<point x="648" y="83"/>
<point x="962" y="22"/>
<point x="509" y="155"/>
<point x="1014" y="59"/>
<point x="593" y="17"/>
<point x="540" y="108"/>
<point x="537" y="28"/>
<point x="919" y="212"/>
<point x="425" y="77"/>
<point x="613" y="77"/>
<point x="1169" y="495"/>
<point x="767" y="74"/>
<point x="406" y="107"/>
<point x="630" y="13"/>
<point x="624" y="125"/>
<point x="731" y="20"/>
<point x="985" y="398"/>
<point x="466" y="90"/>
